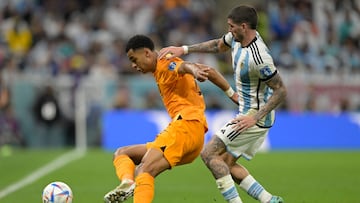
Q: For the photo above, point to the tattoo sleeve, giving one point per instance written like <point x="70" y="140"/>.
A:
<point x="211" y="46"/>
<point x="212" y="157"/>
<point x="278" y="96"/>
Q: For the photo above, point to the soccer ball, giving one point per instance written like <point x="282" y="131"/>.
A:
<point x="57" y="192"/>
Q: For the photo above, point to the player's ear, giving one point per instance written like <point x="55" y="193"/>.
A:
<point x="147" y="52"/>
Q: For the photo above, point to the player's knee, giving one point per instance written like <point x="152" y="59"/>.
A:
<point x="147" y="168"/>
<point x="205" y="156"/>
<point x="228" y="159"/>
<point x="153" y="167"/>
<point x="120" y="151"/>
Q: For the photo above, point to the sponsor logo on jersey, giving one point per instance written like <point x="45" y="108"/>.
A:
<point x="172" y="66"/>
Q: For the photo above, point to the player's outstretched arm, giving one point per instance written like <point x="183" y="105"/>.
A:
<point x="219" y="80"/>
<point x="214" y="76"/>
<point x="200" y="73"/>
<point x="211" y="46"/>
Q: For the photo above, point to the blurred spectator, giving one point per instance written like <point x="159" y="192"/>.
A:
<point x="350" y="55"/>
<point x="46" y="107"/>
<point x="135" y="16"/>
<point x="118" y="58"/>
<point x="122" y="98"/>
<point x="344" y="105"/>
<point x="286" y="57"/>
<point x="10" y="70"/>
<point x="10" y="133"/>
<point x="172" y="4"/>
<point x="53" y="25"/>
<point x="78" y="30"/>
<point x="153" y="100"/>
<point x="281" y="19"/>
<point x="213" y="102"/>
<point x="311" y="103"/>
<point x="263" y="24"/>
<point x="347" y="28"/>
<point x="18" y="37"/>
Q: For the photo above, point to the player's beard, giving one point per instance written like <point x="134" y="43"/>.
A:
<point x="238" y="37"/>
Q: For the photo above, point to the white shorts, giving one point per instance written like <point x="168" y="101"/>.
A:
<point x="244" y="144"/>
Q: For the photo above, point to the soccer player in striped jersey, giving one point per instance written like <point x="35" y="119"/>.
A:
<point x="260" y="89"/>
<point x="181" y="142"/>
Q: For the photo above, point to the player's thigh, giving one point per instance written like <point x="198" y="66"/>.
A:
<point x="242" y="143"/>
<point x="215" y="147"/>
<point x="135" y="152"/>
<point x="192" y="141"/>
<point x="153" y="162"/>
<point x="181" y="142"/>
<point x="229" y="159"/>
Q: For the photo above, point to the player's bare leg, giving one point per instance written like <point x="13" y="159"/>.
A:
<point x="152" y="164"/>
<point x="212" y="157"/>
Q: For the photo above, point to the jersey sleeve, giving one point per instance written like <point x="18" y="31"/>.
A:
<point x="228" y="38"/>
<point x="266" y="71"/>
<point x="167" y="70"/>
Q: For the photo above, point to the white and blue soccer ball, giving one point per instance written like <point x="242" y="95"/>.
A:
<point x="57" y="192"/>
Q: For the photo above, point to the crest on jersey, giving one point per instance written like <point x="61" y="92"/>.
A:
<point x="265" y="72"/>
<point x="172" y="66"/>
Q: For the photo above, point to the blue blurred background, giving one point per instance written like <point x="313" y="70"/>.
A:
<point x="65" y="79"/>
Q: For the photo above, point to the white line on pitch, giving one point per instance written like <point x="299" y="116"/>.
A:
<point x="48" y="168"/>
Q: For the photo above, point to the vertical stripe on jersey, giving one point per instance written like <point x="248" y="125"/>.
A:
<point x="236" y="57"/>
<point x="268" y="120"/>
<point x="268" y="117"/>
<point x="257" y="95"/>
<point x="245" y="86"/>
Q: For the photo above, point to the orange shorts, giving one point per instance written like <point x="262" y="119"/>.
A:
<point x="181" y="142"/>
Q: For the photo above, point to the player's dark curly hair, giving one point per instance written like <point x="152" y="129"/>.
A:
<point x="139" y="41"/>
<point x="244" y="14"/>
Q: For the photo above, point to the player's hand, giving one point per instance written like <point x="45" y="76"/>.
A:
<point x="170" y="52"/>
<point x="235" y="98"/>
<point x="201" y="74"/>
<point x="243" y="122"/>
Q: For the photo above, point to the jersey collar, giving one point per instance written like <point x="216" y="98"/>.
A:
<point x="255" y="38"/>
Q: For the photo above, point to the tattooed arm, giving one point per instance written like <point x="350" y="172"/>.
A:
<point x="203" y="72"/>
<point x="278" y="96"/>
<point x="211" y="46"/>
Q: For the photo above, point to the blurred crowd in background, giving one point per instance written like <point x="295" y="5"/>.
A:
<point x="57" y="46"/>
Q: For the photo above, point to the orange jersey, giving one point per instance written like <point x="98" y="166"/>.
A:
<point x="180" y="93"/>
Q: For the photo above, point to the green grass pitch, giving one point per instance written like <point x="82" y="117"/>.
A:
<point x="298" y="176"/>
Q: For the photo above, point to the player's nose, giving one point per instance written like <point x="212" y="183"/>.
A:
<point x="133" y="65"/>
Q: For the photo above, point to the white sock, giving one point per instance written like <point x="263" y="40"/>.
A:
<point x="254" y="189"/>
<point x="227" y="188"/>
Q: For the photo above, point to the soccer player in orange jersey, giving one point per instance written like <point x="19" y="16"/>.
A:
<point x="181" y="142"/>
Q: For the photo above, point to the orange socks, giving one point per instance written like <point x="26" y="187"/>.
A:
<point x="124" y="167"/>
<point x="144" y="190"/>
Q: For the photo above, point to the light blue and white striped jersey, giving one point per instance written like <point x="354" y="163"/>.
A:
<point x="252" y="65"/>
